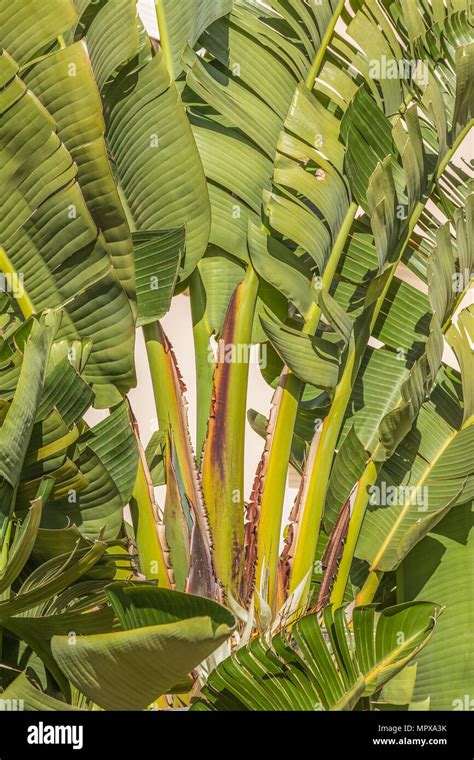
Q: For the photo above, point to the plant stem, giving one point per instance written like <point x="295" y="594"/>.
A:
<point x="314" y="71"/>
<point x="24" y="302"/>
<point x="319" y="480"/>
<point x="223" y="456"/>
<point x="164" y="36"/>
<point x="368" y="478"/>
<point x="151" y="553"/>
<point x="312" y="512"/>
<point x="168" y="390"/>
<point x="274" y="486"/>
<point x="205" y="365"/>
<point x="6" y="535"/>
<point x="273" y="494"/>
<point x="368" y="590"/>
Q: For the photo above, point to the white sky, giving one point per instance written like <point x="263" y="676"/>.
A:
<point x="147" y="13"/>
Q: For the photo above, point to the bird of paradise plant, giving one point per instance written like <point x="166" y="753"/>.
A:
<point x="287" y="164"/>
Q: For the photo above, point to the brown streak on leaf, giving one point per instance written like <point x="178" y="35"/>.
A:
<point x="202" y="578"/>
<point x="332" y="556"/>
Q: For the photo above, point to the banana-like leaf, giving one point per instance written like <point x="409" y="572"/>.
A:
<point x="183" y="24"/>
<point x="430" y="472"/>
<point x="64" y="83"/>
<point x="313" y="360"/>
<point x="82" y="465"/>
<point x="31" y="698"/>
<point x="147" y="157"/>
<point x="166" y="634"/>
<point x="113" y="34"/>
<point x="399" y="401"/>
<point x="25" y="537"/>
<point x="106" y="459"/>
<point x="157" y="260"/>
<point x="154" y="454"/>
<point x="27" y="29"/>
<point x="51" y="578"/>
<point x="37" y="631"/>
<point x="444" y="674"/>
<point x="50" y="238"/>
<point x="311" y="668"/>
<point x="396" y="171"/>
<point x="17" y="426"/>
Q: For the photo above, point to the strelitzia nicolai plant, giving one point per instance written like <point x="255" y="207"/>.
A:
<point x="282" y="177"/>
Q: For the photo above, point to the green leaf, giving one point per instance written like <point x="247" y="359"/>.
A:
<point x="31" y="698"/>
<point x="461" y="338"/>
<point x="64" y="83"/>
<point x="158" y="257"/>
<point x="439" y="476"/>
<point x="445" y="673"/>
<point x="166" y="635"/>
<point x="112" y="34"/>
<point x="28" y="28"/>
<point x="154" y="454"/>
<point x="50" y="238"/>
<point x="25" y="538"/>
<point x="108" y="460"/>
<point x="157" y="162"/>
<point x="18" y="424"/>
<point x="302" y="670"/>
<point x="279" y="266"/>
<point x="313" y="360"/>
<point x="51" y="578"/>
<point x="182" y="25"/>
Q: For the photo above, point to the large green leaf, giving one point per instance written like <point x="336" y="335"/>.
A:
<point x="430" y="472"/>
<point x="311" y="668"/>
<point x="27" y="29"/>
<point x="51" y="578"/>
<point x="49" y="238"/>
<point x="158" y="165"/>
<point x="31" y="698"/>
<point x="182" y="24"/>
<point x="64" y="83"/>
<point x="18" y="424"/>
<point x="166" y="634"/>
<point x="313" y="360"/>
<point x="157" y="260"/>
<point x="25" y="538"/>
<point x="90" y="472"/>
<point x="107" y="458"/>
<point x="441" y="566"/>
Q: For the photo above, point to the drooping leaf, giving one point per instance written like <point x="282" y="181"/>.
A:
<point x="166" y="634"/>
<point x="441" y="566"/>
<point x="299" y="671"/>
